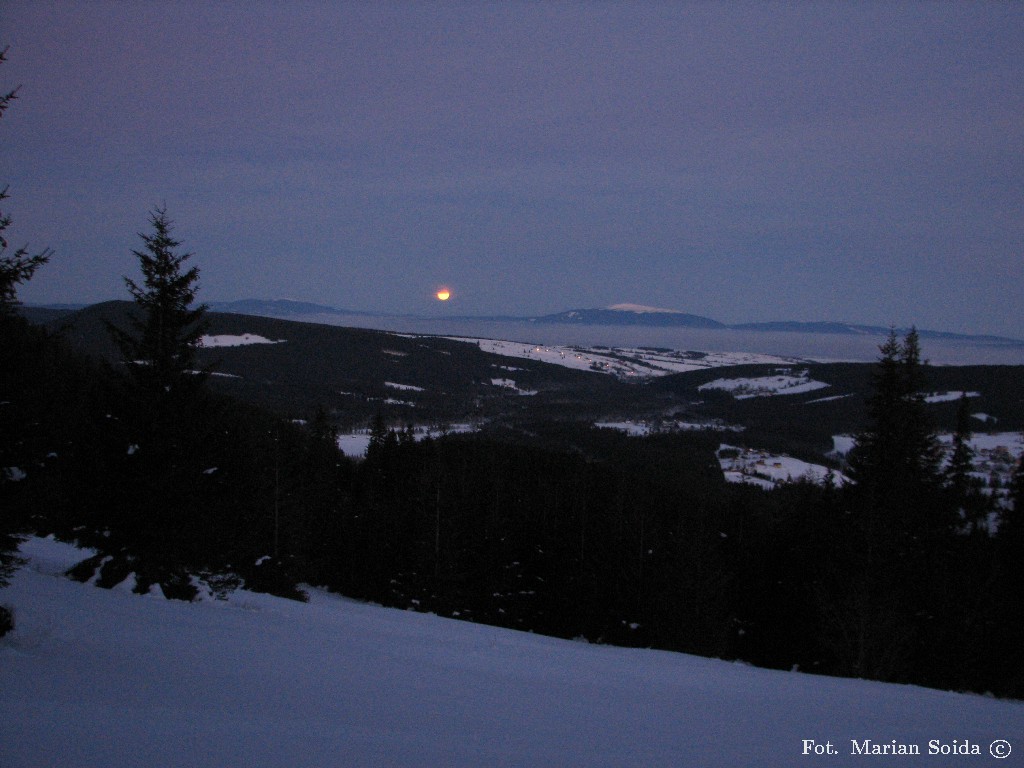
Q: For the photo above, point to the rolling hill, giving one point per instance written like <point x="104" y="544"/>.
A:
<point x="354" y="373"/>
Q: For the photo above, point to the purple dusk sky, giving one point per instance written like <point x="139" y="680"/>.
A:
<point x="746" y="161"/>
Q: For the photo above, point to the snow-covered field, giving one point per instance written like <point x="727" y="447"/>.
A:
<point x="403" y="387"/>
<point x="226" y="340"/>
<point x="624" y="362"/>
<point x="643" y="428"/>
<point x="354" y="444"/>
<point x="106" y="678"/>
<point x="783" y="383"/>
<point x="510" y="384"/>
<point x="769" y="470"/>
<point x="947" y="397"/>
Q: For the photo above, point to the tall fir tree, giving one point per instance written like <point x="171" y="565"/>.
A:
<point x="897" y="524"/>
<point x="159" y="514"/>
<point x="921" y="447"/>
<point x="160" y="348"/>
<point x="378" y="437"/>
<point x="960" y="464"/>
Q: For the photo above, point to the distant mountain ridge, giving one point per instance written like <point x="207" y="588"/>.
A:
<point x="615" y="315"/>
<point x="278" y="308"/>
<point x="635" y="314"/>
<point x="630" y="314"/>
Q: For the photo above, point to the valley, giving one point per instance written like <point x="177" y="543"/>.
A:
<point x="786" y="404"/>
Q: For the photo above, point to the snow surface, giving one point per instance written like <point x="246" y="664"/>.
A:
<point x="226" y="340"/>
<point x="766" y="386"/>
<point x="770" y="470"/>
<point x="640" y="309"/>
<point x="14" y="474"/>
<point x="843" y="444"/>
<point x="631" y="428"/>
<point x="95" y="677"/>
<point x="354" y="444"/>
<point x="947" y="397"/>
<point x="624" y="362"/>
<point x="827" y="399"/>
<point x="511" y="384"/>
<point x="404" y="387"/>
<point x="643" y="428"/>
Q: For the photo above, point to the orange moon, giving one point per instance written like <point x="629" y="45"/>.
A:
<point x="444" y="294"/>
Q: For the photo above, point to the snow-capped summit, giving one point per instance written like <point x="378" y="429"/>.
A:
<point x="641" y="309"/>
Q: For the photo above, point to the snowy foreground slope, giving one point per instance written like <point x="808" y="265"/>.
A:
<point x="106" y="678"/>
